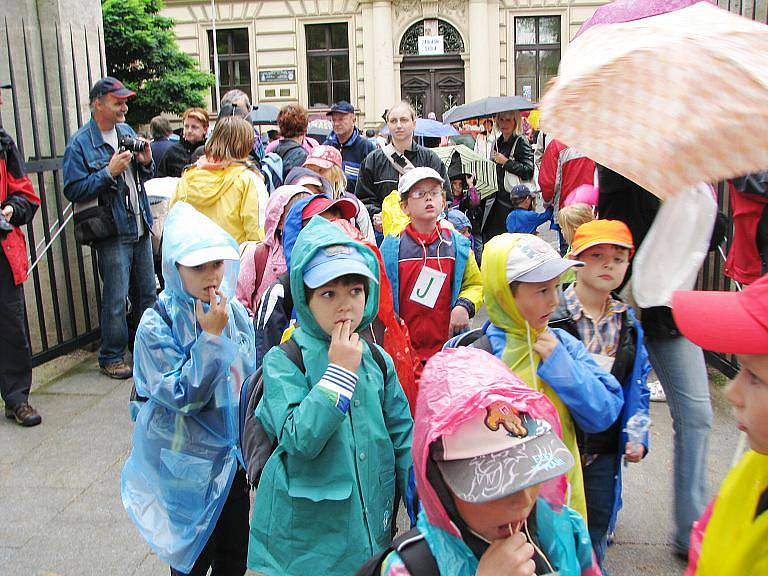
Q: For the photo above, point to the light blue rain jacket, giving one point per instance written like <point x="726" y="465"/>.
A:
<point x="185" y="440"/>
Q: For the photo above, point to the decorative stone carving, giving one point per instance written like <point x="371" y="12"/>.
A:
<point x="405" y="9"/>
<point x="456" y="8"/>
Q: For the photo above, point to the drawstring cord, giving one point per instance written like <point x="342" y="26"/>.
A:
<point x="530" y="540"/>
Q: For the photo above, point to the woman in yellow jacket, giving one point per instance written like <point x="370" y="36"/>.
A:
<point x="224" y="185"/>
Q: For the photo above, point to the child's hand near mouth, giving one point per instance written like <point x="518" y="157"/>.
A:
<point x="345" y="350"/>
<point x="216" y="318"/>
<point x="511" y="556"/>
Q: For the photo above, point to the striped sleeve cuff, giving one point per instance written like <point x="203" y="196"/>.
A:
<point x="338" y="384"/>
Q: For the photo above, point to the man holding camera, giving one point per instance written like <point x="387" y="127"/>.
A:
<point x="18" y="204"/>
<point x="105" y="167"/>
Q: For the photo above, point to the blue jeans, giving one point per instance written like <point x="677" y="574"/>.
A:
<point x="125" y="268"/>
<point x="600" y="476"/>
<point x="679" y="364"/>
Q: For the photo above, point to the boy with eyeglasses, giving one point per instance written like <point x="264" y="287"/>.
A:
<point x="436" y="284"/>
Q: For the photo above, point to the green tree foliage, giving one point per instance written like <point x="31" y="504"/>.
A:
<point x="142" y="52"/>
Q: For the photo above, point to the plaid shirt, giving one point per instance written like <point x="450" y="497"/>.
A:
<point x="601" y="336"/>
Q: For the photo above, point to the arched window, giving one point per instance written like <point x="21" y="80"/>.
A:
<point x="453" y="43"/>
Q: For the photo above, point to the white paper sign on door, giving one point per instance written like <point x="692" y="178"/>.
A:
<point x="428" y="286"/>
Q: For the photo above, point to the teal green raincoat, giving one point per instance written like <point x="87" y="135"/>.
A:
<point x="325" y="499"/>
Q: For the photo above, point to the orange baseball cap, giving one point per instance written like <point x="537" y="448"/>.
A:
<point x="601" y="232"/>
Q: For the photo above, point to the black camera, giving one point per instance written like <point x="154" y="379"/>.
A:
<point x="5" y="227"/>
<point x="132" y="144"/>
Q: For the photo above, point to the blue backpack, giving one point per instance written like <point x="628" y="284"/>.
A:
<point x="272" y="168"/>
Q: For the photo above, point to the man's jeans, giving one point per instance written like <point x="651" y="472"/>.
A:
<point x="125" y="268"/>
<point x="679" y="364"/>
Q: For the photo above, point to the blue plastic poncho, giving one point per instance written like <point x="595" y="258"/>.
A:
<point x="185" y="441"/>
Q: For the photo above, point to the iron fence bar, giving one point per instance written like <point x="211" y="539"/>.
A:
<point x="42" y="192"/>
<point x="67" y="134"/>
<point x="30" y="229"/>
<point x="94" y="264"/>
<point x="57" y="191"/>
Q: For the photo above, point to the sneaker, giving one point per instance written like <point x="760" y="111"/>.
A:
<point x="24" y="414"/>
<point x="118" y="370"/>
<point x="657" y="392"/>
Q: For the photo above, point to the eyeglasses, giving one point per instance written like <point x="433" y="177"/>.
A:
<point x="417" y="194"/>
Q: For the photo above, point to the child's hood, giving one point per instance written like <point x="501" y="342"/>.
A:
<point x="205" y="185"/>
<point x="318" y="234"/>
<point x="292" y="226"/>
<point x="186" y="230"/>
<point x="275" y="208"/>
<point x="457" y="384"/>
<point x="499" y="301"/>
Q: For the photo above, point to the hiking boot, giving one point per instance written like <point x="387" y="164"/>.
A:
<point x="24" y="414"/>
<point x="118" y="370"/>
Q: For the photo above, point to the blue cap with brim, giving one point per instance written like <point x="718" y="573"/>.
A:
<point x="332" y="262"/>
<point x="341" y="106"/>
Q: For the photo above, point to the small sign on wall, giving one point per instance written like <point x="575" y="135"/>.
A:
<point x="286" y="75"/>
<point x="431" y="46"/>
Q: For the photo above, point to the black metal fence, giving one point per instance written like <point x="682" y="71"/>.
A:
<point x="49" y="88"/>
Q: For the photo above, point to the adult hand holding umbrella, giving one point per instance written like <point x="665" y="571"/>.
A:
<point x="654" y="99"/>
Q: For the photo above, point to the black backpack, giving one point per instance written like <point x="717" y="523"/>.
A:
<point x="413" y="550"/>
<point x="255" y="444"/>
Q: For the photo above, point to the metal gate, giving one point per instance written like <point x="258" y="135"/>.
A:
<point x="63" y="292"/>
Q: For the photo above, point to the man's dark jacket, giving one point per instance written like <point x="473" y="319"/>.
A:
<point x="378" y="177"/>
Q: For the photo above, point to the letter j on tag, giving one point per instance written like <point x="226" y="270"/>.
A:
<point x="428" y="286"/>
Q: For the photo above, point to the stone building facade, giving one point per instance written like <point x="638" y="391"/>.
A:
<point x="375" y="52"/>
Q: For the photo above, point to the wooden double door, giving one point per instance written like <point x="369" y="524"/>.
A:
<point x="432" y="83"/>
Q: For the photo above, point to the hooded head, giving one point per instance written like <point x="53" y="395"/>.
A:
<point x="187" y="232"/>
<point x="319" y="234"/>
<point x="511" y="258"/>
<point x="458" y="387"/>
<point x="276" y="204"/>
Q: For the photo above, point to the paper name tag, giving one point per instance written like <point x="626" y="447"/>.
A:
<point x="427" y="287"/>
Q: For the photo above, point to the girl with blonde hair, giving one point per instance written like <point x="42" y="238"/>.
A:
<point x="224" y="185"/>
<point x="327" y="162"/>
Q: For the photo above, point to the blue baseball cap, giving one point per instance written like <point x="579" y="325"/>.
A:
<point x="331" y="262"/>
<point x="342" y="106"/>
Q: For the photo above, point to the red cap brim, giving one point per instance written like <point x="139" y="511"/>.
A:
<point x="719" y="321"/>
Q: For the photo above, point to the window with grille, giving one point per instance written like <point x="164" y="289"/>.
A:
<point x="537" y="54"/>
<point x="234" y="61"/>
<point x="327" y="64"/>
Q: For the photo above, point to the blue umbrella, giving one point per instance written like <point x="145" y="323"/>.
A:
<point x="429" y="128"/>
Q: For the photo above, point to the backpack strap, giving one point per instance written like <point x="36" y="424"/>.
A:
<point x="378" y="357"/>
<point x="413" y="550"/>
<point x="415" y="553"/>
<point x="292" y="350"/>
<point x="399" y="161"/>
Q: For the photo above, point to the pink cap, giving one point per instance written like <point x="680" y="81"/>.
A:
<point x="730" y="322"/>
<point x="324" y="157"/>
